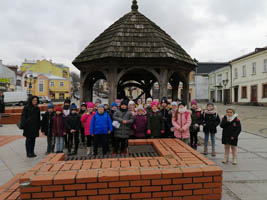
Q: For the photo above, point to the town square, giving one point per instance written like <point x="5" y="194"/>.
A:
<point x="133" y="100"/>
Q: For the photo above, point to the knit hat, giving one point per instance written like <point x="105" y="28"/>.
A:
<point x="67" y="101"/>
<point x="181" y="103"/>
<point x="101" y="106"/>
<point x="50" y="105"/>
<point x="114" y="104"/>
<point x="131" y="103"/>
<point x="59" y="108"/>
<point x="90" y="105"/>
<point x="154" y="103"/>
<point x="174" y="104"/>
<point x="117" y="101"/>
<point x="73" y="106"/>
<point x="98" y="101"/>
<point x="83" y="104"/>
<point x="210" y="103"/>
<point x="149" y="99"/>
<point x="194" y="102"/>
<point x="139" y="107"/>
<point x="231" y="108"/>
<point x="164" y="100"/>
<point x="124" y="102"/>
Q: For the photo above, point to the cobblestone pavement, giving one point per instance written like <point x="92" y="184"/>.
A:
<point x="253" y="118"/>
<point x="246" y="181"/>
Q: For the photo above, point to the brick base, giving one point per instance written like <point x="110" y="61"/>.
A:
<point x="180" y="173"/>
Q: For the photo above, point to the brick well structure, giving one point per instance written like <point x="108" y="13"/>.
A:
<point x="178" y="173"/>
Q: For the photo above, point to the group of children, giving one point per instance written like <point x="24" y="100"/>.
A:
<point x="101" y="125"/>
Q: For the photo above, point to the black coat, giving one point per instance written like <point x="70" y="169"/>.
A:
<point x="30" y="121"/>
<point x="196" y="118"/>
<point x="73" y="121"/>
<point x="47" y="123"/>
<point x="2" y="104"/>
<point x="230" y="129"/>
<point x="166" y="115"/>
<point x="210" y="122"/>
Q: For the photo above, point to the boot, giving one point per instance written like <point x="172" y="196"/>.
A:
<point x="225" y="160"/>
<point x="88" y="151"/>
<point x="213" y="153"/>
<point x="195" y="146"/>
<point x="234" y="161"/>
<point x="205" y="151"/>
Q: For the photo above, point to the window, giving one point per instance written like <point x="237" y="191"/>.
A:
<point x="226" y="75"/>
<point x="61" y="84"/>
<point x="52" y="84"/>
<point x="61" y="95"/>
<point x="254" y="68"/>
<point x="18" y="83"/>
<point x="265" y="66"/>
<point x="235" y="73"/>
<point x="244" y="68"/>
<point x="244" y="92"/>
<point x="41" y="86"/>
<point x="219" y="79"/>
<point x="264" y="90"/>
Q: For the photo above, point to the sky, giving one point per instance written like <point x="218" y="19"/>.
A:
<point x="209" y="30"/>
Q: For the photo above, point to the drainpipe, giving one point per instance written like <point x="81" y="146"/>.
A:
<point x="231" y="83"/>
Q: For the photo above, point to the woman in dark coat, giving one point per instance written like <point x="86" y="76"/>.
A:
<point x="30" y="122"/>
<point x="231" y="129"/>
<point x="2" y="106"/>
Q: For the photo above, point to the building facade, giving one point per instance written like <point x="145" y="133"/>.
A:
<point x="249" y="78"/>
<point x="220" y="85"/>
<point x="7" y="78"/>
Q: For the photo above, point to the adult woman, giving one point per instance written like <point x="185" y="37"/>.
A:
<point x="30" y="122"/>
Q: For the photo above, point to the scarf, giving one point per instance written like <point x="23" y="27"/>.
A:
<point x="182" y="110"/>
<point x="230" y="119"/>
<point x="210" y="111"/>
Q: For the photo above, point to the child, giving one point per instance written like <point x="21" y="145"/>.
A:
<point x="59" y="129"/>
<point x="118" y="102"/>
<point x="181" y="122"/>
<point x="210" y="120"/>
<point x="174" y="106"/>
<point x="131" y="106"/>
<point x="81" y="112"/>
<point x="125" y="118"/>
<point x="166" y="115"/>
<point x="195" y="125"/>
<point x="100" y="127"/>
<point x="46" y="128"/>
<point x="86" y="121"/>
<point x="106" y="107"/>
<point x="148" y="106"/>
<point x="140" y="123"/>
<point x="114" y="107"/>
<point x="155" y="123"/>
<point x="231" y="129"/>
<point x="66" y="112"/>
<point x="73" y="125"/>
<point x="139" y="102"/>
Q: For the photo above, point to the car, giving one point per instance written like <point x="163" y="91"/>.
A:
<point x="44" y="99"/>
<point x="16" y="98"/>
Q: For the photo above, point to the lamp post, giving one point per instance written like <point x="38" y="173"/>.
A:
<point x="30" y="80"/>
<point x="225" y="83"/>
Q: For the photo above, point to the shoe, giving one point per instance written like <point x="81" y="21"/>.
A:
<point x="88" y="151"/>
<point x="205" y="151"/>
<point x="213" y="153"/>
<point x="234" y="161"/>
<point x="34" y="155"/>
<point x="1" y="125"/>
<point x="225" y="160"/>
<point x="31" y="155"/>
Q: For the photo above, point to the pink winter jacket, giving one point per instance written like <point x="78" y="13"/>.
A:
<point x="183" y="121"/>
<point x="86" y="121"/>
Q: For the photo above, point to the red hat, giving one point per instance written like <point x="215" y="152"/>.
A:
<point x="154" y="103"/>
<point x="59" y="108"/>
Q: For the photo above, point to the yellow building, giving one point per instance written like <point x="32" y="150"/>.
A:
<point x="47" y="79"/>
<point x="45" y="67"/>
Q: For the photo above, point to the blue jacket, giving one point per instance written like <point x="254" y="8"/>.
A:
<point x="101" y="124"/>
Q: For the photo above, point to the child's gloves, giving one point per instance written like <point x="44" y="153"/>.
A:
<point x="149" y="132"/>
<point x="162" y="131"/>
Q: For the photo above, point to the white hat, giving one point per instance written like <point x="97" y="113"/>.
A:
<point x="140" y="107"/>
<point x="131" y="103"/>
<point x="174" y="103"/>
<point x="149" y="99"/>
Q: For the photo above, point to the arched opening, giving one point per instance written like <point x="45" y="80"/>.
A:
<point x="136" y="83"/>
<point x="177" y="86"/>
<point x="95" y="86"/>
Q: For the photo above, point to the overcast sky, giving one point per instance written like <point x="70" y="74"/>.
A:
<point x="209" y="30"/>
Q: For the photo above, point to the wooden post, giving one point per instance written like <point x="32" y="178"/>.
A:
<point x="186" y="91"/>
<point x="175" y="88"/>
<point x="113" y="84"/>
<point x="163" y="84"/>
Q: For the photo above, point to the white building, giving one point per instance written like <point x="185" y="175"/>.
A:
<point x="220" y="85"/>
<point x="7" y="78"/>
<point x="249" y="78"/>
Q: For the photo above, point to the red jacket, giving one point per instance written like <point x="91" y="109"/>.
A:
<point x="58" y="129"/>
<point x="86" y="121"/>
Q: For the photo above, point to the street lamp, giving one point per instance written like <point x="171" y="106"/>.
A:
<point x="225" y="83"/>
<point x="30" y="80"/>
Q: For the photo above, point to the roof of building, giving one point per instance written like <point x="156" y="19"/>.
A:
<point x="257" y="50"/>
<point x="207" y="67"/>
<point x="134" y="36"/>
<point x="49" y="76"/>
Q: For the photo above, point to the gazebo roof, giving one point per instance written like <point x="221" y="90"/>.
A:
<point x="134" y="36"/>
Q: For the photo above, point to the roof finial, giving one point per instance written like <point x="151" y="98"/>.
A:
<point x="134" y="6"/>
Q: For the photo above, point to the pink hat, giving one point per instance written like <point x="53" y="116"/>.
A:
<point x="90" y="104"/>
<point x="118" y="101"/>
<point x="154" y="103"/>
<point x="194" y="102"/>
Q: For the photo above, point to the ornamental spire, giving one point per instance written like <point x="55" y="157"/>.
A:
<point x="134" y="6"/>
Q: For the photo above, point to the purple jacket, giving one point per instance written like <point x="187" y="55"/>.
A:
<point x="140" y="126"/>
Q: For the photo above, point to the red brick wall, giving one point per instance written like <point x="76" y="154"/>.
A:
<point x="180" y="173"/>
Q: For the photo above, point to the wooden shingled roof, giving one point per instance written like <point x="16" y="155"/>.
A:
<point x="134" y="36"/>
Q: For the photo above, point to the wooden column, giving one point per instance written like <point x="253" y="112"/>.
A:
<point x="113" y="83"/>
<point x="175" y="87"/>
<point x="185" y="95"/>
<point x="163" y="83"/>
